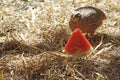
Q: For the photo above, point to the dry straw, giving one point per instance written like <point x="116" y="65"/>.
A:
<point x="33" y="35"/>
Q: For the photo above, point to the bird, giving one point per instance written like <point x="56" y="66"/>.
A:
<point x="87" y="19"/>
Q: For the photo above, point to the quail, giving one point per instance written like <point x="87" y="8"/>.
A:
<point x="87" y="19"/>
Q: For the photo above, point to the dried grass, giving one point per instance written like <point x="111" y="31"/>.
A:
<point x="33" y="35"/>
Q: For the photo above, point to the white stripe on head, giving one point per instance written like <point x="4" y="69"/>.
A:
<point x="84" y="12"/>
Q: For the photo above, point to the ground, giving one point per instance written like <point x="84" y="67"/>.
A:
<point x="33" y="34"/>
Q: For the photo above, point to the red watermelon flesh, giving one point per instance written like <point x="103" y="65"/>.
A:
<point x="77" y="44"/>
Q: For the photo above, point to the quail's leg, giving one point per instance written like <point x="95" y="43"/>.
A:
<point x="90" y="35"/>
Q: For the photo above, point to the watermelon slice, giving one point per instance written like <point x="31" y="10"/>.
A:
<point x="77" y="44"/>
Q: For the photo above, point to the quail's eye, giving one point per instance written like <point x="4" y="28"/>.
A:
<point x="77" y="15"/>
<point x="72" y="16"/>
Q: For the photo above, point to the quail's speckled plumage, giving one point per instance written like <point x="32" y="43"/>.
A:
<point x="88" y="19"/>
